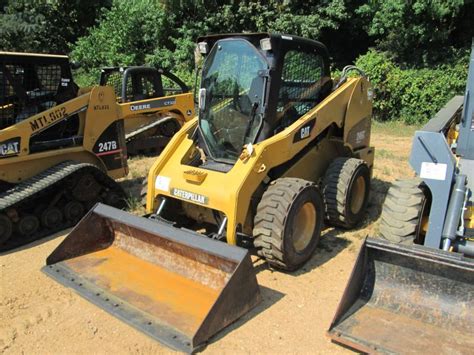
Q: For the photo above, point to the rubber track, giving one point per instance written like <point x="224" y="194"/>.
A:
<point x="270" y="219"/>
<point x="28" y="191"/>
<point x="132" y="135"/>
<point x="336" y="185"/>
<point x="401" y="211"/>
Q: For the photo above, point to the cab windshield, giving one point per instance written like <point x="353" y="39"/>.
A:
<point x="233" y="84"/>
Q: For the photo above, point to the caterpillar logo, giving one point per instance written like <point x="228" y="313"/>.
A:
<point x="304" y="132"/>
<point x="190" y="196"/>
<point x="10" y="147"/>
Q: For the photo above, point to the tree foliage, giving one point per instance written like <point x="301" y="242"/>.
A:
<point x="412" y="95"/>
<point x="418" y="32"/>
<point x="46" y="26"/>
<point x="416" y="44"/>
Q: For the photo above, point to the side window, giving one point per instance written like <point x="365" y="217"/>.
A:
<point x="8" y="101"/>
<point x="49" y="80"/>
<point x="170" y="87"/>
<point x="114" y="79"/>
<point x="129" y="92"/>
<point x="144" y="85"/>
<point x="300" y="85"/>
<point x="148" y="87"/>
<point x="49" y="77"/>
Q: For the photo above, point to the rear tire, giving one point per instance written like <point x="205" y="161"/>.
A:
<point x="346" y="192"/>
<point x="288" y="222"/>
<point x="404" y="212"/>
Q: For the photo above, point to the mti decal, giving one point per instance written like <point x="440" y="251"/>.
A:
<point x="45" y="120"/>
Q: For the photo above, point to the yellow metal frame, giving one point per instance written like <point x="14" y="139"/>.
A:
<point x="97" y="109"/>
<point x="231" y="192"/>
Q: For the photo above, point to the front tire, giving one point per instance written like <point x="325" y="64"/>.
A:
<point x="288" y="222"/>
<point x="405" y="213"/>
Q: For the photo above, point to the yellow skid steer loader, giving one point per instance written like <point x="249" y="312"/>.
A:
<point x="277" y="149"/>
<point x="148" y="132"/>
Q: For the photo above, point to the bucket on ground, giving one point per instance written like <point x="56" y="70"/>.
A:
<point x="403" y="299"/>
<point x="174" y="285"/>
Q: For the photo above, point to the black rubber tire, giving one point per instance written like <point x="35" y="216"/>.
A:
<point x="6" y="228"/>
<point x="273" y="223"/>
<point x="402" y="212"/>
<point x="338" y="187"/>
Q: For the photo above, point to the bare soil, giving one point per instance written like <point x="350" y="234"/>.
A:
<point x="37" y="315"/>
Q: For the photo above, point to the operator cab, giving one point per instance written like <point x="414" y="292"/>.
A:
<point x="31" y="83"/>
<point x="253" y="86"/>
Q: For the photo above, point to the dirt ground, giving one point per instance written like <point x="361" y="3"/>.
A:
<point x="37" y="315"/>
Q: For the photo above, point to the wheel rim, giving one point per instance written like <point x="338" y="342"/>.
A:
<point x="52" y="217"/>
<point x="358" y="195"/>
<point x="6" y="228"/>
<point x="74" y="210"/>
<point x="422" y="227"/>
<point x="28" y="225"/>
<point x="304" y="225"/>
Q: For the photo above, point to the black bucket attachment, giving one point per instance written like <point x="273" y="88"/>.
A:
<point x="175" y="285"/>
<point x="407" y="299"/>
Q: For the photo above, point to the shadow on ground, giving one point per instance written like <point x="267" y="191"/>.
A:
<point x="333" y="240"/>
<point x="35" y="243"/>
<point x="269" y="298"/>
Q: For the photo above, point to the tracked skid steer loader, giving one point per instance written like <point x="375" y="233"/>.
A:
<point x="149" y="132"/>
<point x="61" y="147"/>
<point x="413" y="289"/>
<point x="277" y="148"/>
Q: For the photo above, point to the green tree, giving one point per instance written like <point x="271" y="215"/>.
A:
<point x="46" y="26"/>
<point x="418" y="32"/>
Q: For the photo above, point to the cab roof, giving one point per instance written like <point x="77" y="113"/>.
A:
<point x="18" y="57"/>
<point x="276" y="39"/>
